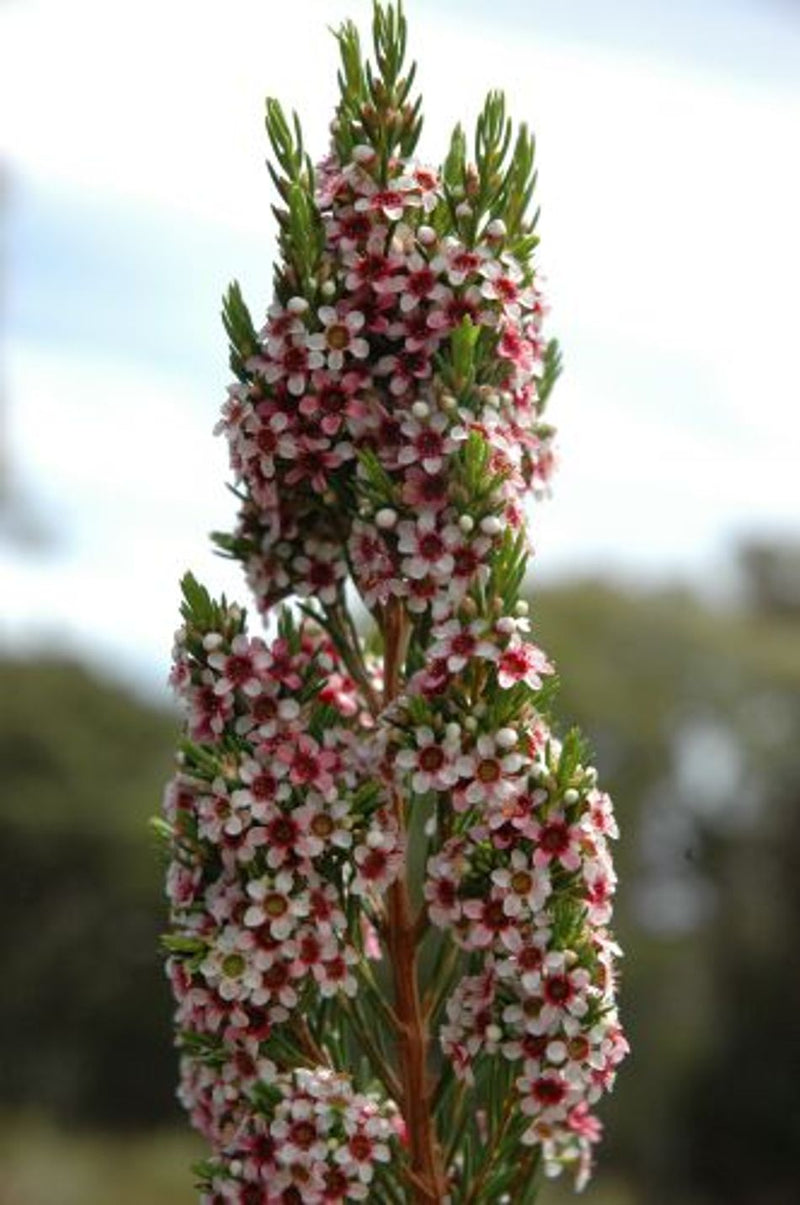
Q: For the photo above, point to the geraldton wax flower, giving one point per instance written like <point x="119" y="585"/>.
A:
<point x="389" y="880"/>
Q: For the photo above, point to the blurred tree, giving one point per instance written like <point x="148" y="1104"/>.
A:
<point x="84" y="1019"/>
<point x="695" y="716"/>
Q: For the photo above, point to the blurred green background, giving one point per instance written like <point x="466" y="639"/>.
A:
<point x="694" y="714"/>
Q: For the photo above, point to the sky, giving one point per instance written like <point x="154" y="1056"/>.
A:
<point x="133" y="169"/>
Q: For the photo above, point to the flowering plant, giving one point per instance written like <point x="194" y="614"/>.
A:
<point x="389" y="880"/>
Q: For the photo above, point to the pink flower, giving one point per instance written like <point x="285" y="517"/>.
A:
<point x="422" y="281"/>
<point x="458" y="644"/>
<point x="424" y="491"/>
<point x="307" y="764"/>
<point x="389" y="202"/>
<point x="426" y="550"/>
<point x="429" y="442"/>
<point x="294" y="361"/>
<point x="525" y="887"/>
<point x="405" y="370"/>
<point x="431" y="764"/>
<point x="276" y="904"/>
<point x="241" y="668"/>
<point x="319" y="571"/>
<point x="493" y="773"/>
<point x="556" y="840"/>
<point x="524" y="662"/>
<point x="340" y="336"/>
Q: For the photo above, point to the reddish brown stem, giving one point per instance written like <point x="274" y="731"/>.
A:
<point x="428" y="1182"/>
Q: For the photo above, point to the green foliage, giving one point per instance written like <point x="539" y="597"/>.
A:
<point x="553" y="366"/>
<point x="301" y="236"/>
<point x="497" y="186"/>
<point x="375" y="108"/>
<point x="242" y="338"/>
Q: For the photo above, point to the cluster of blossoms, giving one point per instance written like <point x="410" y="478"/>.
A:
<point x="343" y="396"/>
<point x="521" y="876"/>
<point x="276" y="822"/>
<point x="385" y="430"/>
<point x="313" y="1141"/>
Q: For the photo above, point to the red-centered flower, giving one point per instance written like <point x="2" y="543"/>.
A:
<point x="492" y="773"/>
<point x="373" y="268"/>
<point x="331" y="401"/>
<point x="307" y="764"/>
<point x="241" y="668"/>
<point x="429" y="441"/>
<point x="294" y="361"/>
<point x="319" y="571"/>
<point x="513" y="346"/>
<point x="423" y="490"/>
<point x="556" y="840"/>
<point x="524" y="662"/>
<point x="422" y="281"/>
<point x="459" y="643"/>
<point x="425" y="549"/>
<point x="404" y="369"/>
<point x="431" y="763"/>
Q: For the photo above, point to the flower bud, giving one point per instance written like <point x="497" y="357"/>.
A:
<point x="386" y="518"/>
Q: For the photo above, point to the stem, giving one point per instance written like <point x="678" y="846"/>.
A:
<point x="427" y="1181"/>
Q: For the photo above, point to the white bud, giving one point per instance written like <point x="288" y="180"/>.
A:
<point x="452" y="731"/>
<point x="448" y="402"/>
<point x="491" y="525"/>
<point x="496" y="228"/>
<point x="288" y="709"/>
<point x="556" y="1052"/>
<point x="506" y="738"/>
<point x="571" y="796"/>
<point x="591" y="774"/>
<point x="297" y="305"/>
<point x="470" y="723"/>
<point x="328" y="288"/>
<point x="506" y="625"/>
<point x="463" y="209"/>
<point x="430" y="826"/>
<point x="211" y="641"/>
<point x="386" y="518"/>
<point x="466" y="523"/>
<point x="420" y="409"/>
<point x="363" y="153"/>
<point x="426" y="235"/>
<point x="521" y="607"/>
<point x="494" y="1033"/>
